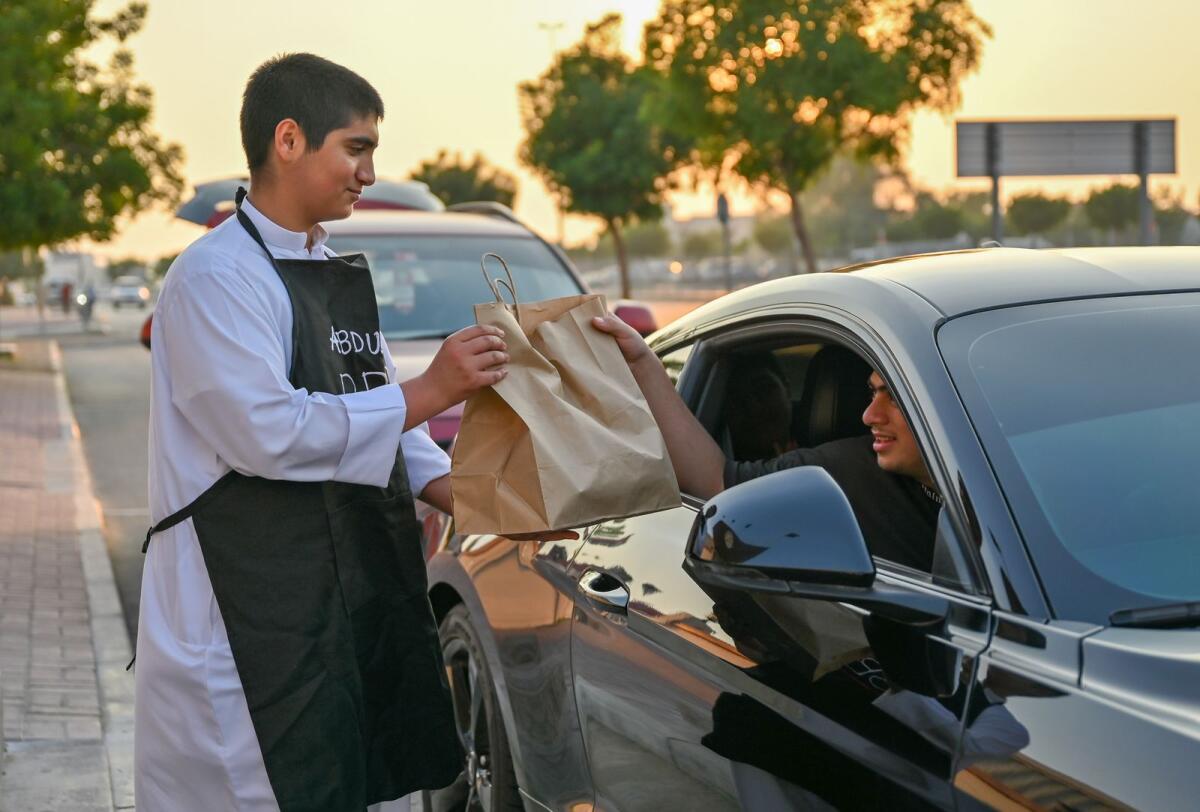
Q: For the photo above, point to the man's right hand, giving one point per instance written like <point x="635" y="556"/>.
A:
<point x="467" y="361"/>
<point x="633" y="347"/>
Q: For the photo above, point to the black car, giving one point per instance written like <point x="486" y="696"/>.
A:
<point x="750" y="653"/>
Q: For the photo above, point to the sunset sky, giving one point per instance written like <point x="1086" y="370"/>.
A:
<point x="448" y="74"/>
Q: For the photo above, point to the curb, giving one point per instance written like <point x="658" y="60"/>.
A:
<point x="110" y="639"/>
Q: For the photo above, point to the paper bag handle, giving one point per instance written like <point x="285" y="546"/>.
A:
<point x="495" y="284"/>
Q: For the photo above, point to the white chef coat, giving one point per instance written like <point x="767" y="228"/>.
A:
<point x="220" y="400"/>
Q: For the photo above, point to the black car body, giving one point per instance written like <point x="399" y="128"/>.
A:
<point x="706" y="657"/>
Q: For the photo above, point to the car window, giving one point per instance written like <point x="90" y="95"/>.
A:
<point x="427" y="285"/>
<point x="800" y="401"/>
<point x="1093" y="436"/>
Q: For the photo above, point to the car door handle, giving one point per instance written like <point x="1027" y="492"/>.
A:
<point x="604" y="591"/>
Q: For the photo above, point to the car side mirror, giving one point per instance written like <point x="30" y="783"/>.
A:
<point x="636" y="315"/>
<point x="793" y="532"/>
<point x="782" y="531"/>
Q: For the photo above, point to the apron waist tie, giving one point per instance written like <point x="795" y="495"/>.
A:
<point x="181" y="514"/>
<point x="187" y="511"/>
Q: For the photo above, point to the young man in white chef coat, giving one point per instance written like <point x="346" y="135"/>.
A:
<point x="287" y="656"/>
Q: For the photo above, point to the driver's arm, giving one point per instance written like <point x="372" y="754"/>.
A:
<point x="698" y="461"/>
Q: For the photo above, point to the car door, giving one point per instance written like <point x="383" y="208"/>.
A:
<point x="701" y="697"/>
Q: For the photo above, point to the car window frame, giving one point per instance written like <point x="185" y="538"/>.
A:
<point x="696" y="385"/>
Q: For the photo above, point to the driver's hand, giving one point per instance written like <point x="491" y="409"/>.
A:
<point x="633" y="346"/>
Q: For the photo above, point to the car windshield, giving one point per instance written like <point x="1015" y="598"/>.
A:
<point x="427" y="285"/>
<point x="1089" y="413"/>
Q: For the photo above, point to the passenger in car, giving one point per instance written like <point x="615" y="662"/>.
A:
<point x="882" y="473"/>
<point x="758" y="411"/>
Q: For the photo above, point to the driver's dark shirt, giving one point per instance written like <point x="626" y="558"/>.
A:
<point x="897" y="518"/>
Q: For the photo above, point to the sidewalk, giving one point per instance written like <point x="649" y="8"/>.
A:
<point x="67" y="701"/>
<point x="22" y="322"/>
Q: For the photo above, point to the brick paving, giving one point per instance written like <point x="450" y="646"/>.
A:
<point x="53" y="713"/>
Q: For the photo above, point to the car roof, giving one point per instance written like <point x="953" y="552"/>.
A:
<point x="374" y="221"/>
<point x="959" y="282"/>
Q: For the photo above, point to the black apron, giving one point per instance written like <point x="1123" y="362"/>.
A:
<point x="322" y="586"/>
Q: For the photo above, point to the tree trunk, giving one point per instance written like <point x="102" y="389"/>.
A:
<point x="810" y="259"/>
<point x="614" y="228"/>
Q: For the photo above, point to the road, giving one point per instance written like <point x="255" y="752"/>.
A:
<point x="108" y="381"/>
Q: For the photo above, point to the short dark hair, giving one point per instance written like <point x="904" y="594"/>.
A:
<point x="321" y="96"/>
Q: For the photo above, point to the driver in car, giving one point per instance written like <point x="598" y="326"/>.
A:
<point x="882" y="473"/>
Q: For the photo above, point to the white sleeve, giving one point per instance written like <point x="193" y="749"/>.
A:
<point x="423" y="458"/>
<point x="228" y="375"/>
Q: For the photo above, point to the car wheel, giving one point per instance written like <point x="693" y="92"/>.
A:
<point x="488" y="782"/>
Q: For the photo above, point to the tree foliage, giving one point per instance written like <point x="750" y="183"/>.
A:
<point x="20" y="265"/>
<point x="841" y="208"/>
<point x="128" y="266"/>
<point x="701" y="244"/>
<point x="76" y="148"/>
<point x="1113" y="208"/>
<point x="774" y="234"/>
<point x="1170" y="218"/>
<point x="1036" y="213"/>
<point x="589" y="139"/>
<point x="645" y="239"/>
<point x="455" y="180"/>
<point x="932" y="219"/>
<point x="778" y="88"/>
<point x="162" y="265"/>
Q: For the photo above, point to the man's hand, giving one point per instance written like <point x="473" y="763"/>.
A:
<point x="633" y="346"/>
<point x="467" y="361"/>
<point x="698" y="461"/>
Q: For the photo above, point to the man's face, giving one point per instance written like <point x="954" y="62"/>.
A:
<point x="332" y="178"/>
<point x="895" y="447"/>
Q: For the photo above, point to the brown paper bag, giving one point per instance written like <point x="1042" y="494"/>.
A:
<point x="566" y="438"/>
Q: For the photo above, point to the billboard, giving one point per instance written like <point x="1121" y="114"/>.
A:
<point x="1082" y="147"/>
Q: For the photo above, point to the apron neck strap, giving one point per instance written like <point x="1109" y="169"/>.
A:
<point x="248" y="224"/>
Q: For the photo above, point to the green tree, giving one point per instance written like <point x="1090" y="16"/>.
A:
<point x="976" y="208"/>
<point x="643" y="239"/>
<point x="776" y="89"/>
<point x="930" y="220"/>
<point x="1036" y="213"/>
<point x="126" y="267"/>
<point x="1113" y="209"/>
<point x="20" y="265"/>
<point x="774" y="234"/>
<point x="701" y="244"/>
<point x="589" y="139"/>
<point x="840" y="206"/>
<point x="162" y="264"/>
<point x="76" y="148"/>
<point x="455" y="180"/>
<point x="1170" y="217"/>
